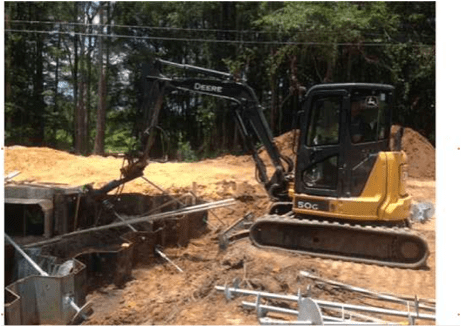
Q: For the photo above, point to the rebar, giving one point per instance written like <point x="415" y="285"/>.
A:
<point x="26" y="256"/>
<point x="168" y="259"/>
<point x="174" y="199"/>
<point x="368" y="292"/>
<point x="271" y="321"/>
<point x="149" y="218"/>
<point x="326" y="320"/>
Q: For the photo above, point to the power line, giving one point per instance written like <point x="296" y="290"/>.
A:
<point x="180" y="39"/>
<point x="66" y="23"/>
<point x="142" y="27"/>
<point x="169" y="28"/>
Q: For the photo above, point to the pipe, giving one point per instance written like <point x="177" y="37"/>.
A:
<point x="365" y="291"/>
<point x="149" y="218"/>
<point x="329" y="304"/>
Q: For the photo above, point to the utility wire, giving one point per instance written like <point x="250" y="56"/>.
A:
<point x="170" y="28"/>
<point x="163" y="38"/>
<point x="247" y="32"/>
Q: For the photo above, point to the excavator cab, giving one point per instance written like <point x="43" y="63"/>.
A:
<point x="343" y="129"/>
<point x="345" y="169"/>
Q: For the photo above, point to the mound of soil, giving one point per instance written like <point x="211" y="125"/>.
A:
<point x="285" y="146"/>
<point x="420" y="153"/>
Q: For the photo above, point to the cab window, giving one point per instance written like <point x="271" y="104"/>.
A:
<point x="323" y="126"/>
<point x="368" y="116"/>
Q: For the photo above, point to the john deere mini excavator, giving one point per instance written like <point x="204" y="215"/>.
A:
<point x="345" y="198"/>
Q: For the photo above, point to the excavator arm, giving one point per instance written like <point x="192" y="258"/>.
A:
<point x="249" y="115"/>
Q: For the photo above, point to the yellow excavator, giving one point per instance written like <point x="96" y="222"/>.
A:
<point x="345" y="197"/>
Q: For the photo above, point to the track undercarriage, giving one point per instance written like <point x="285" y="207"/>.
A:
<point x="395" y="247"/>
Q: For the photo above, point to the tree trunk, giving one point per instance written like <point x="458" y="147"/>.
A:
<point x="87" y="97"/>
<point x="81" y="107"/>
<point x="86" y="114"/>
<point x="331" y="64"/>
<point x="235" y="144"/>
<point x="102" y="90"/>
<point x="38" y="105"/>
<point x="54" y="125"/>
<point x="101" y="116"/>
<point x="79" y="121"/>
<point x="273" y="104"/>
<point x="274" y="98"/>
<point x="76" y="140"/>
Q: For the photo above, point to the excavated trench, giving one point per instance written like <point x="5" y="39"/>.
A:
<point x="55" y="229"/>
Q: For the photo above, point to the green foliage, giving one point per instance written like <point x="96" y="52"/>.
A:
<point x="118" y="136"/>
<point x="121" y="141"/>
<point x="185" y="152"/>
<point x="271" y="44"/>
<point x="63" y="139"/>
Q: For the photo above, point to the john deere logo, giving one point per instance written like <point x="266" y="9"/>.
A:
<point x="372" y="102"/>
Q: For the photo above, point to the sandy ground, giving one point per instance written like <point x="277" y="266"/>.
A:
<point x="160" y="294"/>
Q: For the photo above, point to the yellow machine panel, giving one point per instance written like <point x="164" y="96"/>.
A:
<point x="383" y="198"/>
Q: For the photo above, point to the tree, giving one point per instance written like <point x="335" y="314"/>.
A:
<point x="60" y="76"/>
<point x="102" y="104"/>
<point x="25" y="107"/>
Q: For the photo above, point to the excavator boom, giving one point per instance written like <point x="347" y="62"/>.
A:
<point x="249" y="116"/>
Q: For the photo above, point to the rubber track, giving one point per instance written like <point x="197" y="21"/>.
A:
<point x="394" y="233"/>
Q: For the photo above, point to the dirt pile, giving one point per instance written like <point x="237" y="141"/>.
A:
<point x="212" y="177"/>
<point x="41" y="165"/>
<point x="420" y="153"/>
<point x="285" y="142"/>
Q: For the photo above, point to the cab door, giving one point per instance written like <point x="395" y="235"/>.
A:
<point x="370" y="107"/>
<point x="320" y="159"/>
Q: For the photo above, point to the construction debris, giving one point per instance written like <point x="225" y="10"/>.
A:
<point x="236" y="231"/>
<point x="422" y="212"/>
<point x="392" y="298"/>
<point x="92" y="248"/>
<point x="168" y="259"/>
<point x="11" y="175"/>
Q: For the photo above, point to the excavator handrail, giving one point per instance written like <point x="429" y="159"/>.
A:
<point x="195" y="68"/>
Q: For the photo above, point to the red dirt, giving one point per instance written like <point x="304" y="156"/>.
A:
<point x="420" y="154"/>
<point x="159" y="294"/>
